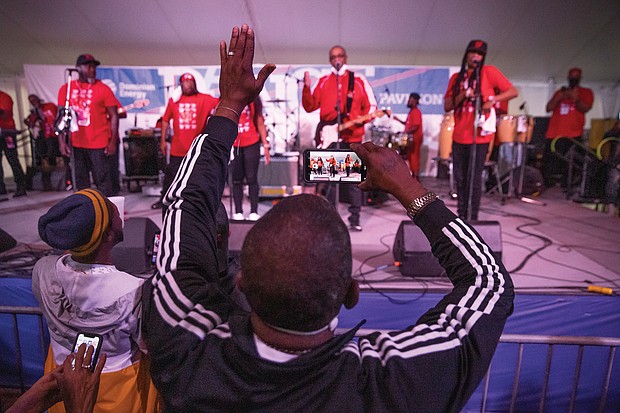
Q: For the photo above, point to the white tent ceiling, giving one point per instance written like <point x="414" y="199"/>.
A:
<point x="528" y="40"/>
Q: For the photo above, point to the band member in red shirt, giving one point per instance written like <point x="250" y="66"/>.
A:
<point x="413" y="127"/>
<point x="96" y="140"/>
<point x="41" y="123"/>
<point x="474" y="80"/>
<point x="189" y="115"/>
<point x="356" y="100"/>
<point x="246" y="149"/>
<point x="8" y="146"/>
<point x="569" y="106"/>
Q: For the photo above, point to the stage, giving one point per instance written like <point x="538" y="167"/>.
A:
<point x="554" y="249"/>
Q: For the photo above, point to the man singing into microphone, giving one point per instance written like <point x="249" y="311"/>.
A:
<point x="96" y="109"/>
<point x="475" y="80"/>
<point x="569" y="106"/>
<point x="356" y="99"/>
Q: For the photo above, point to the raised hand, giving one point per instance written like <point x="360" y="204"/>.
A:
<point x="238" y="86"/>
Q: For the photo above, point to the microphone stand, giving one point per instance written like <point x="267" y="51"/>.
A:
<point x="66" y="130"/>
<point x="472" y="153"/>
<point x="338" y="123"/>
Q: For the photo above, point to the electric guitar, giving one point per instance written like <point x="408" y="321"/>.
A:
<point x="329" y="133"/>
<point x="137" y="104"/>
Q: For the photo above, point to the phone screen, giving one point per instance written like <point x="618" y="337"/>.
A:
<point x="339" y="166"/>
<point x="89" y="339"/>
<point x="155" y="248"/>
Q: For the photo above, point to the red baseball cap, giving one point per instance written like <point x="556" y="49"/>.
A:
<point x="575" y="72"/>
<point x="187" y="76"/>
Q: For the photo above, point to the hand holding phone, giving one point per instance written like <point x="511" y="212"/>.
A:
<point x="89" y="339"/>
<point x="339" y="166"/>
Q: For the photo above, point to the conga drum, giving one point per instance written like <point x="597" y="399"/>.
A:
<point x="445" y="136"/>
<point x="506" y="128"/>
<point x="525" y="128"/>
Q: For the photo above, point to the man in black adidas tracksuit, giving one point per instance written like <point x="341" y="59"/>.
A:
<point x="209" y="355"/>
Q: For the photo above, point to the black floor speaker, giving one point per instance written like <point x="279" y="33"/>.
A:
<point x="135" y="254"/>
<point x="237" y="230"/>
<point x="6" y="241"/>
<point x="413" y="251"/>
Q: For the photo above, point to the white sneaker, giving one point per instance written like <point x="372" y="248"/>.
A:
<point x="238" y="217"/>
<point x="253" y="216"/>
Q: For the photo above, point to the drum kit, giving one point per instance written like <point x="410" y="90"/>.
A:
<point x="281" y="124"/>
<point x="398" y="141"/>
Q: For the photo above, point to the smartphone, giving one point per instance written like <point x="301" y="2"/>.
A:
<point x="89" y="339"/>
<point x="156" y="239"/>
<point x="338" y="166"/>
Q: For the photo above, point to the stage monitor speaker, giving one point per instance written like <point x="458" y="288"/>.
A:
<point x="282" y="171"/>
<point x="413" y="251"/>
<point x="6" y="241"/>
<point x="237" y="230"/>
<point x="135" y="254"/>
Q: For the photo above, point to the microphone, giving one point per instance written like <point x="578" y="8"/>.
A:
<point x="337" y="66"/>
<point x="71" y="70"/>
<point x="288" y="72"/>
<point x="476" y="63"/>
<point x="522" y="105"/>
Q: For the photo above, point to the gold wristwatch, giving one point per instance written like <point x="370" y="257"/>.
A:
<point x="420" y="202"/>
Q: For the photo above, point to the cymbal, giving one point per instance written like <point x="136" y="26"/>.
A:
<point x="277" y="100"/>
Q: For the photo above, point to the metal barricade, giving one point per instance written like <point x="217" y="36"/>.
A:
<point x="14" y="312"/>
<point x="580" y="342"/>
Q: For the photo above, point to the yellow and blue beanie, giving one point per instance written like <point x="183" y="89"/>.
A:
<point x="77" y="223"/>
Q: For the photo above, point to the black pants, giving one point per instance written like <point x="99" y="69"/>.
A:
<point x="8" y="147"/>
<point x="354" y="194"/>
<point x="95" y="162"/>
<point x="115" y="175"/>
<point x="245" y="165"/>
<point x="462" y="177"/>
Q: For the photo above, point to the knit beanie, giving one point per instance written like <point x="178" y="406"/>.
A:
<point x="76" y="223"/>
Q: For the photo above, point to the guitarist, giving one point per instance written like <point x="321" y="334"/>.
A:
<point x="356" y="99"/>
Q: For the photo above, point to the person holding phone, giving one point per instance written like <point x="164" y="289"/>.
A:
<point x="82" y="291"/>
<point x="77" y="387"/>
<point x="281" y="352"/>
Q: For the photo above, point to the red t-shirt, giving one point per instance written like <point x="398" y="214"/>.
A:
<point x="414" y="118"/>
<point x="6" y="104"/>
<point x="189" y="117"/>
<point x="47" y="113"/>
<point x="89" y="101"/>
<point x="248" y="135"/>
<point x="325" y="95"/>
<point x="464" y="117"/>
<point x="566" y="120"/>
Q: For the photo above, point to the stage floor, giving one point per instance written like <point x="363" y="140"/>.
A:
<point x="558" y="247"/>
